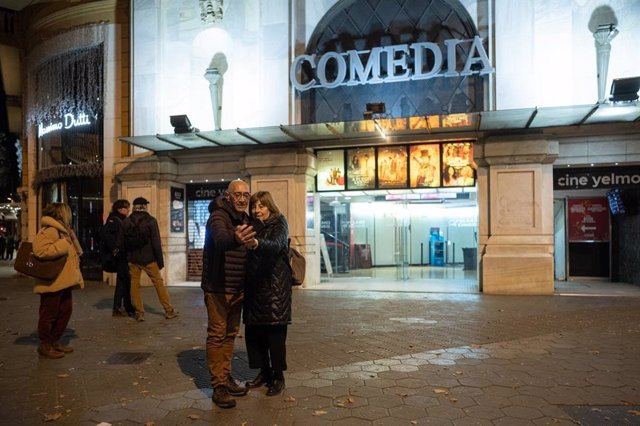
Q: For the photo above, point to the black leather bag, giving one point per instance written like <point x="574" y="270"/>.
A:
<point x="43" y="269"/>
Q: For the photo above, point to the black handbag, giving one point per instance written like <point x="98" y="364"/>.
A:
<point x="43" y="269"/>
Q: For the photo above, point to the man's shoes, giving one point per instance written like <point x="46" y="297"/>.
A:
<point x="261" y="379"/>
<point x="222" y="398"/>
<point x="47" y="350"/>
<point x="276" y="386"/>
<point x="118" y="313"/>
<point x="235" y="387"/>
<point x="139" y="316"/>
<point x="171" y="314"/>
<point x="62" y="348"/>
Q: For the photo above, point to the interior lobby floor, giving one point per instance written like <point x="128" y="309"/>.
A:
<point x="446" y="279"/>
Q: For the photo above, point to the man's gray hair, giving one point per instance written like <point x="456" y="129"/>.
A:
<point x="139" y="207"/>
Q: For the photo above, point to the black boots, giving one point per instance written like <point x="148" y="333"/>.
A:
<point x="263" y="378"/>
<point x="274" y="381"/>
<point x="277" y="384"/>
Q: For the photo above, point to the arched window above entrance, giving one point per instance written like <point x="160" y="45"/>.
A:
<point x="363" y="26"/>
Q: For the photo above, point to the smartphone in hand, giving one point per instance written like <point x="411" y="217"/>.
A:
<point x="257" y="225"/>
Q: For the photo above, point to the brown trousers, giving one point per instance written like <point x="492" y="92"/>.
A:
<point x="55" y="312"/>
<point x="153" y="272"/>
<point x="224" y="323"/>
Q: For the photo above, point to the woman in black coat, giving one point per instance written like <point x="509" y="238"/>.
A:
<point x="267" y="294"/>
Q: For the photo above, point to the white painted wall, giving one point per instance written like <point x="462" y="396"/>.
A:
<point x="544" y="56"/>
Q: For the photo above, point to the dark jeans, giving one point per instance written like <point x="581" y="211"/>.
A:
<point x="55" y="311"/>
<point x="122" y="294"/>
<point x="266" y="347"/>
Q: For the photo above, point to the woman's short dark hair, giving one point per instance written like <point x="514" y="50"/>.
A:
<point x="120" y="204"/>
<point x="265" y="198"/>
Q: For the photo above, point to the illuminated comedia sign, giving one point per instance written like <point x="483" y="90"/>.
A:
<point x="68" y="121"/>
<point x="350" y="70"/>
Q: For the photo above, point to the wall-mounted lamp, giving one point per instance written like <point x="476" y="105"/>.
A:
<point x="374" y="111"/>
<point x="376" y="108"/>
<point x="625" y="89"/>
<point x="181" y="124"/>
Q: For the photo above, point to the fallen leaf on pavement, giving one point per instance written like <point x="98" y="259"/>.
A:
<point x="193" y="416"/>
<point x="634" y="412"/>
<point x="440" y="391"/>
<point x="63" y="375"/>
<point x="290" y="399"/>
<point x="52" y="417"/>
<point x="319" y="412"/>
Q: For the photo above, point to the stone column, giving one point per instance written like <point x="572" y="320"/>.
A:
<point x="287" y="174"/>
<point x="515" y="197"/>
<point x="152" y="177"/>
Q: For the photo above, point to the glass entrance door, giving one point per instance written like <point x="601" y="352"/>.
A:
<point x="402" y="242"/>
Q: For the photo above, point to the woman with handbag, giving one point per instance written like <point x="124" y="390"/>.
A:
<point x="56" y="239"/>
<point x="267" y="293"/>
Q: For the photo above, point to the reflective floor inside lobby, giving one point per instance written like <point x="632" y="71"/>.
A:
<point x="437" y="279"/>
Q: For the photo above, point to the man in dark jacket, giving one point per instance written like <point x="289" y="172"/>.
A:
<point x="117" y="259"/>
<point x="147" y="257"/>
<point x="223" y="274"/>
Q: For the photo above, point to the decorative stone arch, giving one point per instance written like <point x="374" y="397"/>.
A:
<point x="365" y="24"/>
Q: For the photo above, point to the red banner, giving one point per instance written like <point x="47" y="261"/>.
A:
<point x="588" y="219"/>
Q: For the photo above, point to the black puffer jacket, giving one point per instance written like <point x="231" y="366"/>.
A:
<point x="109" y="234"/>
<point x="152" y="251"/>
<point x="267" y="294"/>
<point x="223" y="259"/>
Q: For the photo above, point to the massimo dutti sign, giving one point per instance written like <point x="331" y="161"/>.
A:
<point x="596" y="177"/>
<point x="403" y="62"/>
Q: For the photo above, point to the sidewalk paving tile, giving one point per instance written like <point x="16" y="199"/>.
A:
<point x="473" y="360"/>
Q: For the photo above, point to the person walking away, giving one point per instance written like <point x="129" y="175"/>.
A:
<point x="267" y="301"/>
<point x="11" y="243"/>
<point x="117" y="258"/>
<point x="55" y="239"/>
<point x="3" y="245"/>
<point x="141" y="240"/>
<point x="223" y="274"/>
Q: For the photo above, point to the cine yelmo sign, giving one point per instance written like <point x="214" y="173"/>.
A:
<point x="356" y="67"/>
<point x="69" y="121"/>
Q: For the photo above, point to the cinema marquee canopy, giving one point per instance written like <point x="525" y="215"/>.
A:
<point x="469" y="126"/>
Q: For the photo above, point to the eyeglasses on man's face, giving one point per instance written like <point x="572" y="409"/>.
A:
<point x="240" y="195"/>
